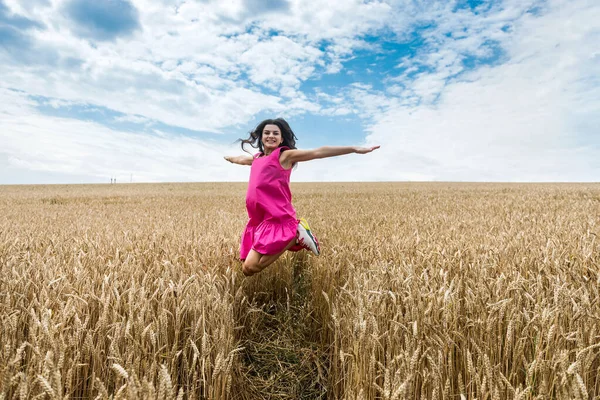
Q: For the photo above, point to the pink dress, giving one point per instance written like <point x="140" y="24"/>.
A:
<point x="273" y="222"/>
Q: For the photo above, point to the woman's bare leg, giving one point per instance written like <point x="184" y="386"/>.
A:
<point x="256" y="262"/>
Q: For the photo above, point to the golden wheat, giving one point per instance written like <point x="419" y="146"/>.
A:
<point x="437" y="291"/>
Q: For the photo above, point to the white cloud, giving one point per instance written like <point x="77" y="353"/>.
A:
<point x="83" y="149"/>
<point x="514" y="121"/>
<point x="211" y="65"/>
<point x="198" y="88"/>
<point x="188" y="64"/>
<point x="136" y="119"/>
<point x="280" y="62"/>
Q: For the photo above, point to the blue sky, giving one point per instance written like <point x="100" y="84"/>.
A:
<point x="159" y="90"/>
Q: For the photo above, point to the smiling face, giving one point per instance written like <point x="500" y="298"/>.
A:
<point x="271" y="138"/>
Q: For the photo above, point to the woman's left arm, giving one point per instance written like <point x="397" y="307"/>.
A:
<point x="290" y="157"/>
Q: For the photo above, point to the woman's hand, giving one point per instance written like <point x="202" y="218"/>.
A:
<point x="290" y="157"/>
<point x="241" y="160"/>
<point x="365" y="150"/>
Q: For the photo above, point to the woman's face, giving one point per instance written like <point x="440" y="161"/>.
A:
<point x="271" y="137"/>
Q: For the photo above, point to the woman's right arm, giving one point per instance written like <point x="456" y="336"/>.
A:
<point x="241" y="160"/>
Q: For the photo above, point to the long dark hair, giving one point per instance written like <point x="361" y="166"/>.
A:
<point x="289" y="138"/>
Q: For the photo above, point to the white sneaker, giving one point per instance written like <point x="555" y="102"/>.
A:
<point x="306" y="239"/>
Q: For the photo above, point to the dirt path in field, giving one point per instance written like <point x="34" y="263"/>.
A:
<point x="280" y="360"/>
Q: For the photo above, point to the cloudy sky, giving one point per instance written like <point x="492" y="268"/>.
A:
<point x="159" y="90"/>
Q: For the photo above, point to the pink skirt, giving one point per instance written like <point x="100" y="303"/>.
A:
<point x="269" y="237"/>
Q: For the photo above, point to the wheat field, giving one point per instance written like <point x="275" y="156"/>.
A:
<point x="422" y="291"/>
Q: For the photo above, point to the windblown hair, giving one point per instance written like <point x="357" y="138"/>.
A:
<point x="289" y="138"/>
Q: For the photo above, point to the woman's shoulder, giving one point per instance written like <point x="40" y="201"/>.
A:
<point x="283" y="158"/>
<point x="279" y="151"/>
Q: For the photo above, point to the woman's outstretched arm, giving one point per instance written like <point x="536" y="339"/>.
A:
<point x="241" y="160"/>
<point x="290" y="157"/>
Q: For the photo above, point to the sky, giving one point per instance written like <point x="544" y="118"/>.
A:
<point x="160" y="90"/>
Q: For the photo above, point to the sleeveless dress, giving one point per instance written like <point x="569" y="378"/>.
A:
<point x="272" y="224"/>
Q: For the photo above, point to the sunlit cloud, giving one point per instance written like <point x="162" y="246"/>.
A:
<point x="492" y="90"/>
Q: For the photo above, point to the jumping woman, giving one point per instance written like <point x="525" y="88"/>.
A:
<point x="273" y="227"/>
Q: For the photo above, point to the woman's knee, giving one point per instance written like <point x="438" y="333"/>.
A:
<point x="249" y="268"/>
